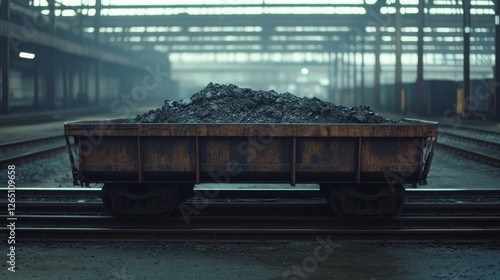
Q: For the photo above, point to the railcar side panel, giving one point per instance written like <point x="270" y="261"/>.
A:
<point x="276" y="153"/>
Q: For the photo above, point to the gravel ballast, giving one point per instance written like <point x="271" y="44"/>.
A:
<point x="324" y="259"/>
<point x="218" y="103"/>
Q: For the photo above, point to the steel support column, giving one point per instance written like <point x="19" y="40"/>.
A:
<point x="398" y="83"/>
<point x="97" y="27"/>
<point x="355" y="71"/>
<point x="51" y="61"/>
<point x="376" y="71"/>
<point x="362" y="92"/>
<point x="335" y="78"/>
<point x="420" y="58"/>
<point x="347" y="77"/>
<point x="65" y="79"/>
<point x="71" y="81"/>
<point x="97" y="80"/>
<point x="343" y="69"/>
<point x="496" y="84"/>
<point x="466" y="32"/>
<point x="5" y="56"/>
<point x="330" y="77"/>
<point x="36" y="79"/>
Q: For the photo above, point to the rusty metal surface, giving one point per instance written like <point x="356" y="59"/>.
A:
<point x="111" y="151"/>
<point x="115" y="127"/>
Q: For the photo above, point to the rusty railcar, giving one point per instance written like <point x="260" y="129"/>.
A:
<point x="146" y="168"/>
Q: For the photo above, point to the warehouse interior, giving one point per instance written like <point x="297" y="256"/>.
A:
<point x="381" y="53"/>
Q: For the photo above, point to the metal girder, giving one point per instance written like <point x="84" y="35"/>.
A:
<point x="309" y="46"/>
<point x="388" y="44"/>
<point x="360" y="21"/>
<point x="16" y="32"/>
<point x="184" y="33"/>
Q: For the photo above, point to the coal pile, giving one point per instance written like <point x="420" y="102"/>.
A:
<point x="218" y="103"/>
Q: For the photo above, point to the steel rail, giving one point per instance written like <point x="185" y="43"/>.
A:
<point x="478" y="156"/>
<point x="304" y="209"/>
<point x="257" y="221"/>
<point x="79" y="192"/>
<point x="39" y="148"/>
<point x="252" y="234"/>
<point x="477" y="141"/>
<point x="10" y="144"/>
<point x="470" y="127"/>
<point x="23" y="157"/>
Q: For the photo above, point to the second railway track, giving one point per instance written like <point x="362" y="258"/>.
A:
<point x="475" y="148"/>
<point x="14" y="152"/>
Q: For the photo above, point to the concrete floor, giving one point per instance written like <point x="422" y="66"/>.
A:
<point x="320" y="260"/>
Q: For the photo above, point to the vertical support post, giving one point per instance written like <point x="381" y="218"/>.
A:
<point x="97" y="80"/>
<point x="343" y="84"/>
<point x="71" y="86"/>
<point x="97" y="27"/>
<point x="330" y="77"/>
<point x="51" y="73"/>
<point x="398" y="83"/>
<point x="294" y="162"/>
<point x="496" y="84"/>
<point x="65" y="79"/>
<point x="362" y="83"/>
<point x="335" y="79"/>
<point x="376" y="79"/>
<point x="467" y="31"/>
<point x="36" y="81"/>
<point x="347" y="77"/>
<point x="355" y="71"/>
<point x="81" y="69"/>
<point x="97" y="21"/>
<point x="5" y="56"/>
<point x="420" y="58"/>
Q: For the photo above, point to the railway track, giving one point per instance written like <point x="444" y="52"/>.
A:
<point x="476" y="148"/>
<point x="27" y="149"/>
<point x="94" y="192"/>
<point x="258" y="229"/>
<point x="253" y="222"/>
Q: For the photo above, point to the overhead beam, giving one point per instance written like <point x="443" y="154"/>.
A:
<point x="185" y="20"/>
<point x="330" y="33"/>
<point x="13" y="30"/>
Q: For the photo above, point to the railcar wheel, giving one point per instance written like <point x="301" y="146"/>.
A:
<point x="339" y="205"/>
<point x="397" y="202"/>
<point x="372" y="200"/>
<point x="140" y="200"/>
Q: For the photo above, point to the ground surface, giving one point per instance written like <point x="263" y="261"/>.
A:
<point x="273" y="261"/>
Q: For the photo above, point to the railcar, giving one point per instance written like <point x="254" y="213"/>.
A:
<point x="147" y="169"/>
